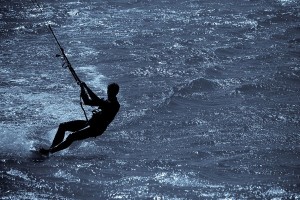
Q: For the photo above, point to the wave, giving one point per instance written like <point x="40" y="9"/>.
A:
<point x="190" y="95"/>
<point x="279" y="84"/>
<point x="250" y="88"/>
<point x="290" y="78"/>
<point x="195" y="86"/>
<point x="263" y="90"/>
<point x="283" y="14"/>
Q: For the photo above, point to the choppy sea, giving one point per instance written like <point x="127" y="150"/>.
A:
<point x="209" y="94"/>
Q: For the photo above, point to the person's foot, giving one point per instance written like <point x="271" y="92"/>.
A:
<point x="44" y="152"/>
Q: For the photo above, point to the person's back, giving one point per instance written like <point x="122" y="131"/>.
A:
<point x="107" y="109"/>
<point x="105" y="113"/>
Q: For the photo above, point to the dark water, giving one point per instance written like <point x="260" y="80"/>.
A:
<point x="209" y="95"/>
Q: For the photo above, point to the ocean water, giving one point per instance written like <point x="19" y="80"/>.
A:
<point x="209" y="98"/>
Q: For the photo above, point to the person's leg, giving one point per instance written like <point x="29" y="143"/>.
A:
<point x="67" y="126"/>
<point x="78" y="135"/>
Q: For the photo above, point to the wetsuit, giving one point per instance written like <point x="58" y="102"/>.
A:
<point x="101" y="118"/>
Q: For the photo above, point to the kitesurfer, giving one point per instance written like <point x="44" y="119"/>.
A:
<point x="82" y="129"/>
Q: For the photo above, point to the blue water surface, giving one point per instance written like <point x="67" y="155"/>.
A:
<point x="209" y="98"/>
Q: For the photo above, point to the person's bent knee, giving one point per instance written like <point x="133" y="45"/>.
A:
<point x="62" y="125"/>
<point x="71" y="138"/>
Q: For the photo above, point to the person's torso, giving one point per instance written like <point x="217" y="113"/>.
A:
<point x="105" y="114"/>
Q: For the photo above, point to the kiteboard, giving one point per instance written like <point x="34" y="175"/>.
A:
<point x="36" y="156"/>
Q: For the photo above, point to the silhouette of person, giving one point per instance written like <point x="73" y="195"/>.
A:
<point x="82" y="129"/>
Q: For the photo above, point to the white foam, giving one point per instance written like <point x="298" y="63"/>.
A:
<point x="18" y="173"/>
<point x="182" y="180"/>
<point x="277" y="191"/>
<point x="13" y="139"/>
<point x="66" y="175"/>
<point x="95" y="79"/>
<point x="73" y="12"/>
<point x="285" y="2"/>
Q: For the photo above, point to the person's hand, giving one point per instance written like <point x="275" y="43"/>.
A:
<point x="82" y="84"/>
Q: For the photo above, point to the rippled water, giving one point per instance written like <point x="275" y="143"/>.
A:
<point x="209" y="99"/>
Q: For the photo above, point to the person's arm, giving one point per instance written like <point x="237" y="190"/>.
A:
<point x="88" y="96"/>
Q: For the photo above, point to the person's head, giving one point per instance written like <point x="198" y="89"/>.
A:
<point x="112" y="90"/>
